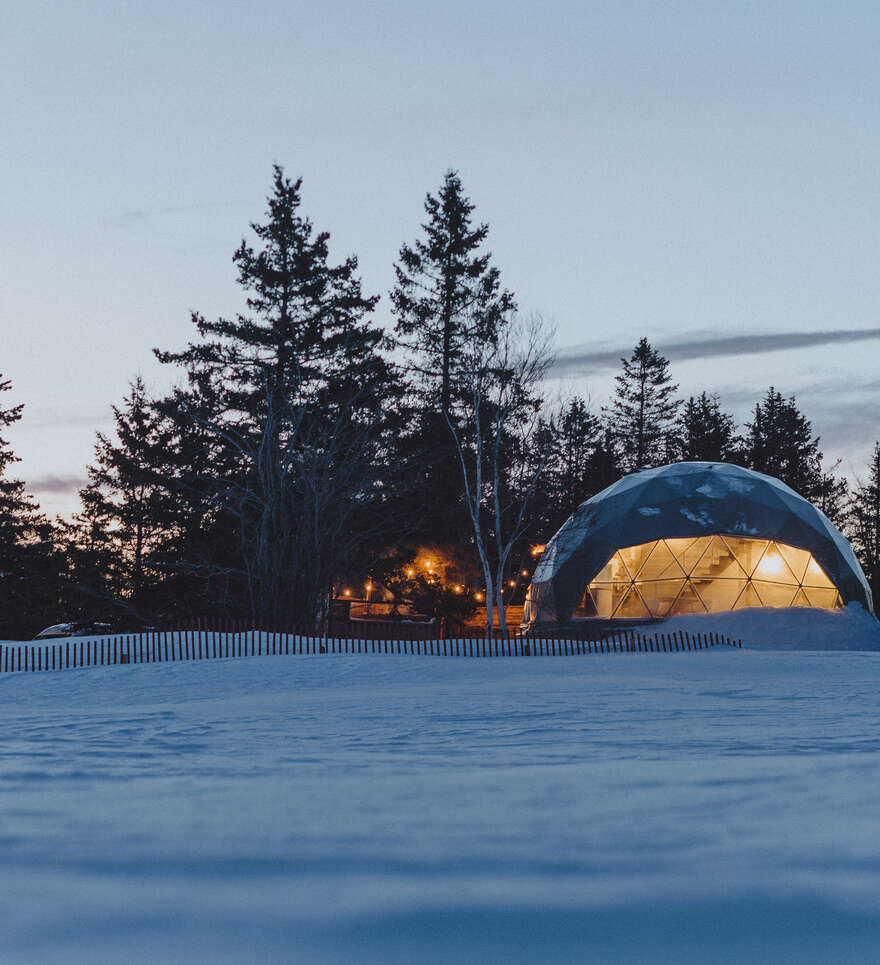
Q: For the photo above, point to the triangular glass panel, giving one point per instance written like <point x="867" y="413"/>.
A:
<point x="719" y="595"/>
<point x="800" y="599"/>
<point x="735" y="569"/>
<point x="634" y="557"/>
<point x="773" y="568"/>
<point x="775" y="594"/>
<point x="587" y="606"/>
<point x="826" y="599"/>
<point x="659" y="595"/>
<point x="687" y="602"/>
<point x="688" y="551"/>
<point x="631" y="607"/>
<point x="717" y="562"/>
<point x="796" y="559"/>
<point x="604" y="598"/>
<point x="661" y="565"/>
<point x="815" y="576"/>
<point x="748" y="551"/>
<point x="747" y="598"/>
<point x="610" y="572"/>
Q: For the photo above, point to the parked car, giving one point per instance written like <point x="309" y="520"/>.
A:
<point x="81" y="628"/>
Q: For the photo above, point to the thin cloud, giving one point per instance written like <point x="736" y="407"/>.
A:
<point x="50" y="418"/>
<point x="58" y="484"/>
<point x="582" y="359"/>
<point x="136" y="216"/>
<point x="127" y="218"/>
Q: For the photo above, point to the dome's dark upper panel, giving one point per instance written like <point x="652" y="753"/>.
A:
<point x="681" y="500"/>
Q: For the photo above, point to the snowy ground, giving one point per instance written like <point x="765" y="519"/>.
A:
<point x="717" y="806"/>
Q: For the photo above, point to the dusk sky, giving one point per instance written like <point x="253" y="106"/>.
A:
<point x="705" y="174"/>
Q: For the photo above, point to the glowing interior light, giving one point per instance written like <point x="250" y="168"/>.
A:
<point x="709" y="574"/>
<point x="346" y="593"/>
<point x="525" y="572"/>
<point x="458" y="589"/>
<point x="478" y="596"/>
<point x="512" y="582"/>
<point x="770" y="564"/>
<point x="538" y="550"/>
<point x="410" y="572"/>
<point x="369" y="586"/>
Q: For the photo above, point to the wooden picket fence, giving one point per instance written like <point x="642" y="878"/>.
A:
<point x="188" y="645"/>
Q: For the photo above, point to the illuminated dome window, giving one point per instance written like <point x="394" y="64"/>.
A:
<point x="706" y="574"/>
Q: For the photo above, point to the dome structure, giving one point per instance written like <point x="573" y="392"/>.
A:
<point x="693" y="537"/>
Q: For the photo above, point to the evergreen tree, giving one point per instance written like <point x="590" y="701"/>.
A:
<point x="582" y="464"/>
<point x="31" y="570"/>
<point x="447" y="301"/>
<point x="643" y="415"/>
<point x="92" y="558"/>
<point x="579" y="434"/>
<point x="832" y="496"/>
<point x="779" y="441"/>
<point x="295" y="393"/>
<point x="124" y="508"/>
<point x="864" y="518"/>
<point x="448" y="294"/>
<point x="707" y="433"/>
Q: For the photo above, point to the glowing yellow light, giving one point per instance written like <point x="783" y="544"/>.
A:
<point x="369" y="586"/>
<point x="346" y="593"/>
<point x="770" y="564"/>
<point x="525" y="572"/>
<point x="538" y="550"/>
<point x="458" y="589"/>
<point x="478" y="596"/>
<point x="410" y="572"/>
<point x="512" y="583"/>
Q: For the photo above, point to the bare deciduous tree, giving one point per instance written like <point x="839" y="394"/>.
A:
<point x="495" y="435"/>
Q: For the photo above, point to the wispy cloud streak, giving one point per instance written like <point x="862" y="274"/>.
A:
<point x="582" y="359"/>
<point x="57" y="484"/>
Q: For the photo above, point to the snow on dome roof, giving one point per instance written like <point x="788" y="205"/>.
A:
<point x="684" y="499"/>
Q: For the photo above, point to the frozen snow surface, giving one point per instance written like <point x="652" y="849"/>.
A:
<point x="713" y="806"/>
<point x="791" y="628"/>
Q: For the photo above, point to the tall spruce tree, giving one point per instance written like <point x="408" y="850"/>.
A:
<point x="707" y="433"/>
<point x="582" y="464"/>
<point x="448" y="294"/>
<point x="31" y="570"/>
<point x="864" y="520"/>
<point x="833" y="496"/>
<point x="124" y="507"/>
<point x="643" y="415"/>
<point x="295" y="392"/>
<point x="580" y="432"/>
<point x="779" y="441"/>
<point x="447" y="301"/>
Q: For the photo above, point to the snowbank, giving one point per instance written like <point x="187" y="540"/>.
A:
<point x="714" y="806"/>
<point x="795" y="628"/>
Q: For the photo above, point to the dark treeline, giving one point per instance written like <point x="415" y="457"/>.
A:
<point x="304" y="446"/>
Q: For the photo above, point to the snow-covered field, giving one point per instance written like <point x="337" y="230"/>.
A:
<point x="717" y="806"/>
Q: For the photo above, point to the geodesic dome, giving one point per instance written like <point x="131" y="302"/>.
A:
<point x="693" y="537"/>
